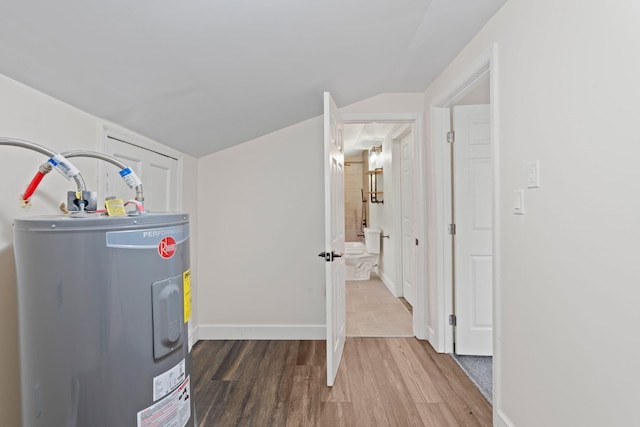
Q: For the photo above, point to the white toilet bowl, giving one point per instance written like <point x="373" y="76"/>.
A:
<point x="360" y="258"/>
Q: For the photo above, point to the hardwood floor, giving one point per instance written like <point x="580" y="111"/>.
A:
<point x="381" y="382"/>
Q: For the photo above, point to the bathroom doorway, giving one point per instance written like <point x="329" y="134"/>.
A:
<point x="378" y="156"/>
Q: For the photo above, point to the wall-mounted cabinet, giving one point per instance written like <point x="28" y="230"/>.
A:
<point x="375" y="185"/>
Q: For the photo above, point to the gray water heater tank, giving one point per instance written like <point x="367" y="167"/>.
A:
<point x="103" y="306"/>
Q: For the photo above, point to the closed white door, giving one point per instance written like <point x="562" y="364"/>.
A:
<point x="473" y="218"/>
<point x="334" y="236"/>
<point x="158" y="172"/>
<point x="408" y="241"/>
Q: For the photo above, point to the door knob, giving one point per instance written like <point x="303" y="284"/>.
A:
<point x="329" y="256"/>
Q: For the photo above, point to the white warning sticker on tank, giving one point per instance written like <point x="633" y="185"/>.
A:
<point x="172" y="411"/>
<point x="166" y="382"/>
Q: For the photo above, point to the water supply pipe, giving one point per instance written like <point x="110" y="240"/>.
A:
<point x="44" y="169"/>
<point x="60" y="162"/>
<point x="130" y="178"/>
<point x="126" y="173"/>
<point x="55" y="160"/>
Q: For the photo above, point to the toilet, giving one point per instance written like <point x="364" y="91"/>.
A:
<point x="360" y="258"/>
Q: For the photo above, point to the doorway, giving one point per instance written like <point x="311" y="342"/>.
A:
<point x="379" y="195"/>
<point x="468" y="200"/>
<point x="472" y="229"/>
<point x="472" y="236"/>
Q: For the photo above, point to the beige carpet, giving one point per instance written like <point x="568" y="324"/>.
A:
<point x="372" y="311"/>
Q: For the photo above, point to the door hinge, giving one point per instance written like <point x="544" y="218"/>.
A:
<point x="452" y="229"/>
<point x="451" y="137"/>
<point x="453" y="320"/>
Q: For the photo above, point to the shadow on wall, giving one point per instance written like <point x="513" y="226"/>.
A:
<point x="9" y="352"/>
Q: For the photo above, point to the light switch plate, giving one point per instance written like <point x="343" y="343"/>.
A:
<point x="518" y="202"/>
<point x="533" y="174"/>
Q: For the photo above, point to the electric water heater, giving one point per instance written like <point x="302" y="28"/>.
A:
<point x="104" y="304"/>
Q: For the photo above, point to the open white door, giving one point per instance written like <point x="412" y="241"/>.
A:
<point x="408" y="239"/>
<point x="473" y="212"/>
<point x="334" y="235"/>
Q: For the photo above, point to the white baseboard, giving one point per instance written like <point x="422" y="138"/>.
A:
<point x="501" y="420"/>
<point x="431" y="336"/>
<point x="421" y="333"/>
<point x="387" y="282"/>
<point x="195" y="335"/>
<point x="262" y="332"/>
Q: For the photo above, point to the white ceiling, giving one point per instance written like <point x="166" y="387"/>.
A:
<point x="363" y="136"/>
<point x="203" y="75"/>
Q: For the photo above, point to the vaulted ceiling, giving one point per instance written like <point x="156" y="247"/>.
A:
<point x="204" y="75"/>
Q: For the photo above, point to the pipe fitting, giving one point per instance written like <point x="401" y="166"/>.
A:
<point x="126" y="173"/>
<point x="14" y="142"/>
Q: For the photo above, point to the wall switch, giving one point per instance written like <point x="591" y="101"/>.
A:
<point x="533" y="174"/>
<point x="518" y="202"/>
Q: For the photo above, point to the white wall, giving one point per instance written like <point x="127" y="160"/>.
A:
<point x="384" y="215"/>
<point x="262" y="227"/>
<point x="28" y="114"/>
<point x="567" y="78"/>
<point x="478" y="95"/>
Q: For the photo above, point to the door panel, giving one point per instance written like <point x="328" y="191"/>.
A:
<point x="481" y="291"/>
<point x="159" y="175"/>
<point x="408" y="245"/>
<point x="473" y="216"/>
<point x="334" y="236"/>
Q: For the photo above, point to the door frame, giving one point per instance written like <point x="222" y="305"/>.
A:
<point x="417" y="122"/>
<point x="442" y="335"/>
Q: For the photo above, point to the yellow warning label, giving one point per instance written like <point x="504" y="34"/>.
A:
<point x="115" y="207"/>
<point x="186" y="286"/>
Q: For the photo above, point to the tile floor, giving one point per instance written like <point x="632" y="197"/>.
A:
<point x="372" y="311"/>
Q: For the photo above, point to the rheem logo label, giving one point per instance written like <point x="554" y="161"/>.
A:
<point x="167" y="247"/>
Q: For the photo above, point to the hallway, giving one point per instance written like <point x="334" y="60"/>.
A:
<point x="372" y="311"/>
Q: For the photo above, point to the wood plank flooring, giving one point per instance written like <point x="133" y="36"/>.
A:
<point x="381" y="382"/>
